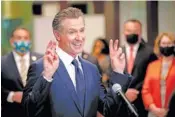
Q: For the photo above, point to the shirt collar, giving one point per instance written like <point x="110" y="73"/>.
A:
<point x="135" y="46"/>
<point x="18" y="57"/>
<point x="65" y="57"/>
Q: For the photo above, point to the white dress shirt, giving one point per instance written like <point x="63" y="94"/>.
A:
<point x="18" y="64"/>
<point x="135" y="49"/>
<point x="67" y="61"/>
<point x="18" y="58"/>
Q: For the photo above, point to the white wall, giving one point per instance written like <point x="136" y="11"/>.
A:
<point x="95" y="27"/>
<point x="42" y="30"/>
<point x="166" y="15"/>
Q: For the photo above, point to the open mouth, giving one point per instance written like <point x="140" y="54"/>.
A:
<point x="77" y="44"/>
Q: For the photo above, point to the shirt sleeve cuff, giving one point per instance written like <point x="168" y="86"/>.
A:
<point x="10" y="97"/>
<point x="48" y="79"/>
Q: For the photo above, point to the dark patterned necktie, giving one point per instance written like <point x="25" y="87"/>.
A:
<point x="80" y="84"/>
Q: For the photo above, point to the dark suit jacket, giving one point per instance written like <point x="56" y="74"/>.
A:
<point x="58" y="98"/>
<point x="11" y="81"/>
<point x="171" y="112"/>
<point x="144" y="56"/>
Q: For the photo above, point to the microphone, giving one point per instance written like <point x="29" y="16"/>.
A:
<point x="117" y="89"/>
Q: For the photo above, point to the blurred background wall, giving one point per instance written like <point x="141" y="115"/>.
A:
<point x="14" y="14"/>
<point x="103" y="19"/>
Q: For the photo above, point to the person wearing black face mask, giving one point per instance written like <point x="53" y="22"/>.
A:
<point x="167" y="51"/>
<point x="160" y="77"/>
<point x="138" y="56"/>
<point x="14" y="72"/>
<point x="132" y="38"/>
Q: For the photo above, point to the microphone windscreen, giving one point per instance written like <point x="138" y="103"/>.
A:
<point x="116" y="87"/>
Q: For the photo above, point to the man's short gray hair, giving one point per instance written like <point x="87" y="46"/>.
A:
<point x="67" y="13"/>
<point x="134" y="21"/>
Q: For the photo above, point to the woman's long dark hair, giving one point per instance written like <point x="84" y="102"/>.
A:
<point x="105" y="50"/>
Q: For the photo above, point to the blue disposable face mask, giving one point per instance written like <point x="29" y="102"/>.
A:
<point x="22" y="46"/>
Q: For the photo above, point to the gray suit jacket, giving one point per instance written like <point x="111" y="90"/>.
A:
<point x="11" y="81"/>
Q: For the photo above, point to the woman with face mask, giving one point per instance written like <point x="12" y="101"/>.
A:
<point x="159" y="82"/>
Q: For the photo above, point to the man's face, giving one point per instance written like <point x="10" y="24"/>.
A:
<point x="72" y="36"/>
<point x="132" y="28"/>
<point x="20" y="35"/>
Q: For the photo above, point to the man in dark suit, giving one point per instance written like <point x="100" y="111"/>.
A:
<point x="14" y="73"/>
<point x="138" y="56"/>
<point x="63" y="84"/>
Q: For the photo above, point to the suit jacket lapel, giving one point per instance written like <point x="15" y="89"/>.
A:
<point x="63" y="74"/>
<point x="138" y="56"/>
<point x="124" y="50"/>
<point x="87" y="87"/>
<point x="170" y="70"/>
<point x="33" y="58"/>
<point x="14" y="68"/>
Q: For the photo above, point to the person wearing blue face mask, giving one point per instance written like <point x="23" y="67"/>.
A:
<point x="14" y="72"/>
<point x="22" y="47"/>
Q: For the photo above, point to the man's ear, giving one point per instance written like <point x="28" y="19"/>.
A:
<point x="57" y="35"/>
<point x="11" y="42"/>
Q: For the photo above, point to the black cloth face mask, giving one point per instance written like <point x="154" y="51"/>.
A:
<point x="167" y="51"/>
<point x="132" y="38"/>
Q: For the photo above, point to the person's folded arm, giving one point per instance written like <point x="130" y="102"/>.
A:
<point x="6" y="94"/>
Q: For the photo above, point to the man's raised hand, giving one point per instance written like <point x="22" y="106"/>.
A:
<point x="117" y="56"/>
<point x="51" y="60"/>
